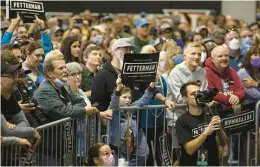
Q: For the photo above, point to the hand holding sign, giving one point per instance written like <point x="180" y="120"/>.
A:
<point x="39" y="22"/>
<point x="16" y="20"/>
<point x="233" y="99"/>
<point x="26" y="9"/>
<point x="14" y="23"/>
<point x="119" y="83"/>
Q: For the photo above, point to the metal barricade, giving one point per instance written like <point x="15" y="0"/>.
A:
<point x="11" y="155"/>
<point x="159" y="141"/>
<point x="158" y="146"/>
<point x="63" y="143"/>
<point x="247" y="152"/>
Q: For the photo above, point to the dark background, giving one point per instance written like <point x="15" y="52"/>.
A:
<point x="126" y="6"/>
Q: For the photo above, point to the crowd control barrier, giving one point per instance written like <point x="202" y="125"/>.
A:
<point x="65" y="142"/>
<point x="162" y="147"/>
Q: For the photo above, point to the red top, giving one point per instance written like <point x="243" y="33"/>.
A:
<point x="215" y="81"/>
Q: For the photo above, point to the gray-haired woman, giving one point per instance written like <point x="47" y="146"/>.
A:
<point x="74" y="80"/>
<point x="74" y="70"/>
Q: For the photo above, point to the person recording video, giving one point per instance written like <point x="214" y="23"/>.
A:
<point x="195" y="133"/>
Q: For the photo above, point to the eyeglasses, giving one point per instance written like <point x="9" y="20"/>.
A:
<point x="76" y="74"/>
<point x="232" y="29"/>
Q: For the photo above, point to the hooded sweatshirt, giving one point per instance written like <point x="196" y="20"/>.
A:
<point x="103" y="86"/>
<point x="225" y="81"/>
<point x="178" y="76"/>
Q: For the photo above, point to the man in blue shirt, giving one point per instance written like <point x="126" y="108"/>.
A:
<point x="233" y="44"/>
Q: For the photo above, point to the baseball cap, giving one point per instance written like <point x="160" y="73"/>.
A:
<point x="141" y="22"/>
<point x="198" y="29"/>
<point x="122" y="42"/>
<point x="164" y="27"/>
<point x="55" y="29"/>
<point x="9" y="68"/>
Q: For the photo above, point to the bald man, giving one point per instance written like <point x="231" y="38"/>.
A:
<point x="221" y="76"/>
<point x="233" y="43"/>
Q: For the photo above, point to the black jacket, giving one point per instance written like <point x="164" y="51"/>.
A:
<point x="103" y="86"/>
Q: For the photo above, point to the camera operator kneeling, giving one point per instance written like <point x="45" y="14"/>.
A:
<point x="196" y="132"/>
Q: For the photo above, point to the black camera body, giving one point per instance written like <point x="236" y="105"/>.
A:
<point x="205" y="96"/>
<point x="27" y="97"/>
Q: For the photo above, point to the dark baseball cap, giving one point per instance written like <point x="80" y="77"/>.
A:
<point x="10" y="69"/>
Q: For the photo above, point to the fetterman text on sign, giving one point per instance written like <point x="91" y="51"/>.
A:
<point x="139" y="68"/>
<point x="242" y="122"/>
<point x="26" y="5"/>
<point x="27" y="10"/>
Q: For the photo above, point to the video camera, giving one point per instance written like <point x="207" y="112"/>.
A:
<point x="26" y="95"/>
<point x="206" y="96"/>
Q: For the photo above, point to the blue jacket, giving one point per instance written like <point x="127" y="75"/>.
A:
<point x="45" y="41"/>
<point x="120" y="116"/>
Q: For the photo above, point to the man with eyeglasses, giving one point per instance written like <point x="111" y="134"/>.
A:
<point x="15" y="49"/>
<point x="9" y="77"/>
<point x="232" y="41"/>
<point x="142" y="35"/>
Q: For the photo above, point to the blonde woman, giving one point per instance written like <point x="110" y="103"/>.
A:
<point x="172" y="58"/>
<point x="168" y="46"/>
<point x="148" y="49"/>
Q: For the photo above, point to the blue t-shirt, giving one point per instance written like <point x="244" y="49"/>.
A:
<point x="235" y="64"/>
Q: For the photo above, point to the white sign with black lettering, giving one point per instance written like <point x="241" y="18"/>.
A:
<point x="27" y="10"/>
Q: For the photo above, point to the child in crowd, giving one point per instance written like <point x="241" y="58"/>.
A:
<point x="128" y="140"/>
<point x="100" y="154"/>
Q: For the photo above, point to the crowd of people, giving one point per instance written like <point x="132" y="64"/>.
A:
<point x="71" y="67"/>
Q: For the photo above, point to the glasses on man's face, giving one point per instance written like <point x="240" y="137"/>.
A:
<point x="76" y="74"/>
